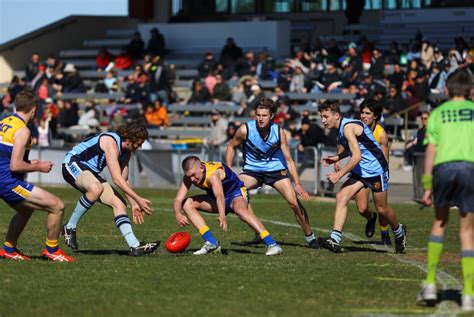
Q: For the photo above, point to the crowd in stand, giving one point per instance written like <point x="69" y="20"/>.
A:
<point x="402" y="77"/>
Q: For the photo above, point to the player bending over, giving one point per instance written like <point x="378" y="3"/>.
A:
<point x="81" y="169"/>
<point x="15" y="144"/>
<point x="225" y="193"/>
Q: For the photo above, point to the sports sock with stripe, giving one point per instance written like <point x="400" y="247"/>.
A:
<point x="467" y="263"/>
<point x="83" y="205"/>
<point x="207" y="235"/>
<point x="267" y="238"/>
<point x="123" y="224"/>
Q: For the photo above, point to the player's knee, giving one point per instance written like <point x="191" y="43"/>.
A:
<point x="342" y="197"/>
<point x="57" y="206"/>
<point x="294" y="205"/>
<point x="188" y="205"/>
<point x="96" y="189"/>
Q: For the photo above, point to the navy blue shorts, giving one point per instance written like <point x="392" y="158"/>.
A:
<point x="377" y="183"/>
<point x="453" y="185"/>
<point x="268" y="178"/>
<point x="73" y="169"/>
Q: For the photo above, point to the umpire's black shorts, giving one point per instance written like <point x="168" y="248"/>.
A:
<point x="453" y="185"/>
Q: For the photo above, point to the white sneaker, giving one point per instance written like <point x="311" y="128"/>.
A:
<point x="428" y="293"/>
<point x="273" y="249"/>
<point x="208" y="248"/>
<point x="467" y="303"/>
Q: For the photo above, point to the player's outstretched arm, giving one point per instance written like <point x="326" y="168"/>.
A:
<point x="291" y="166"/>
<point x="236" y="141"/>
<point x="178" y="202"/>
<point x="350" y="133"/>
<point x="137" y="214"/>
<point x="218" y="190"/>
<point x="18" y="164"/>
<point x="109" y="146"/>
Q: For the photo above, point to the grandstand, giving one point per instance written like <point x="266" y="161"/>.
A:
<point x="301" y="36"/>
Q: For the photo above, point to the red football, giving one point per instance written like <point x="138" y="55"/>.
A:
<point x="178" y="242"/>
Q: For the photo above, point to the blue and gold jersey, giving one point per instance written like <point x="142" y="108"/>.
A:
<point x="230" y="183"/>
<point x="378" y="132"/>
<point x="8" y="127"/>
<point x="263" y="154"/>
<point x="373" y="161"/>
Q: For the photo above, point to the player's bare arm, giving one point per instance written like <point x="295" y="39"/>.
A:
<point x="285" y="149"/>
<point x="137" y="213"/>
<point x="110" y="148"/>
<point x="178" y="202"/>
<point x="430" y="155"/>
<point x="351" y="131"/>
<point x="384" y="145"/>
<point x="216" y="183"/>
<point x="18" y="164"/>
<point x="236" y="141"/>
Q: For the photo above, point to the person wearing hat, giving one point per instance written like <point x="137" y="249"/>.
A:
<point x="72" y="80"/>
<point x="156" y="44"/>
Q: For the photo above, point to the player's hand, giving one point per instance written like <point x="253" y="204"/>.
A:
<point x="333" y="177"/>
<point x="144" y="205"/>
<point x="44" y="166"/>
<point x="34" y="162"/>
<point x="337" y="167"/>
<point x="222" y="222"/>
<point x="137" y="215"/>
<point x="328" y="160"/>
<point x="302" y="192"/>
<point x="427" y="197"/>
<point x="182" y="220"/>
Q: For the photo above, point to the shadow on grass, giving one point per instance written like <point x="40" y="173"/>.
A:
<point x="103" y="252"/>
<point x="262" y="245"/>
<point x="370" y="242"/>
<point x="359" y="249"/>
<point x="227" y="251"/>
<point x="452" y="295"/>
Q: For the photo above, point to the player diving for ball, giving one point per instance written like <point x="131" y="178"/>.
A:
<point x="225" y="193"/>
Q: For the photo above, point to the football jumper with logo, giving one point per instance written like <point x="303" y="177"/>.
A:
<point x="233" y="187"/>
<point x="14" y="189"/>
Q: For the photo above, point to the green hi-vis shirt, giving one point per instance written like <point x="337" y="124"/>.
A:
<point x="451" y="128"/>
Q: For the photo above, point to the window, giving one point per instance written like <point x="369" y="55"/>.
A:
<point x="243" y="6"/>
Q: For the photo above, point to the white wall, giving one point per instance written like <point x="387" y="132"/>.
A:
<point x="196" y="37"/>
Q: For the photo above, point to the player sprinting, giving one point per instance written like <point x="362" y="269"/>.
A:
<point x="449" y="180"/>
<point x="267" y="160"/>
<point x="81" y="169"/>
<point x="15" y="144"/>
<point x="367" y="167"/>
<point x="225" y="193"/>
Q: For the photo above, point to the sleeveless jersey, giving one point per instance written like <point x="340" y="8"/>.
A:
<point x="378" y="132"/>
<point x="263" y="155"/>
<point x="89" y="153"/>
<point x="8" y="128"/>
<point x="373" y="162"/>
<point x="230" y="183"/>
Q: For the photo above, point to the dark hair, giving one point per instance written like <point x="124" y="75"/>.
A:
<point x="133" y="131"/>
<point x="26" y="100"/>
<point x="374" y="106"/>
<point x="332" y="105"/>
<point x="459" y="83"/>
<point x="189" y="162"/>
<point x="266" y="103"/>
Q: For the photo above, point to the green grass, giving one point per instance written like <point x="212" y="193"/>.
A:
<point x="242" y="282"/>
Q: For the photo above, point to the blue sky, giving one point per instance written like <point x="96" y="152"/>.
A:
<point x="18" y="17"/>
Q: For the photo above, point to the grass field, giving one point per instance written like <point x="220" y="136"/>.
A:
<point x="365" y="279"/>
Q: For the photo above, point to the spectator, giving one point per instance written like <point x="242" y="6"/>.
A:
<point x="156" y="44"/>
<point x="397" y="77"/>
<point x="68" y="116"/>
<point x="221" y="90"/>
<point x="156" y="116"/>
<point x="103" y="59"/>
<point x="218" y="128"/>
<point x="284" y="77"/>
<point x="437" y="79"/>
<point x="58" y="82"/>
<point x="210" y="81"/>
<point x="208" y="64"/>
<point x="110" y="82"/>
<point x="248" y="108"/>
<point x="159" y="83"/>
<point x="230" y="54"/>
<point x="199" y="94"/>
<point x="280" y="96"/>
<point x="298" y="81"/>
<point x="309" y="135"/>
<point x="32" y="68"/>
<point x="417" y="144"/>
<point x="376" y="65"/>
<point x="43" y="132"/>
<point x="331" y="79"/>
<point x="246" y="65"/>
<point x="16" y="85"/>
<point x="136" y="47"/>
<point x="427" y="54"/>
<point x="44" y="90"/>
<point x="89" y="118"/>
<point x="264" y="69"/>
<point x="354" y="58"/>
<point x="72" y="80"/>
<point x="394" y="102"/>
<point x="123" y="60"/>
